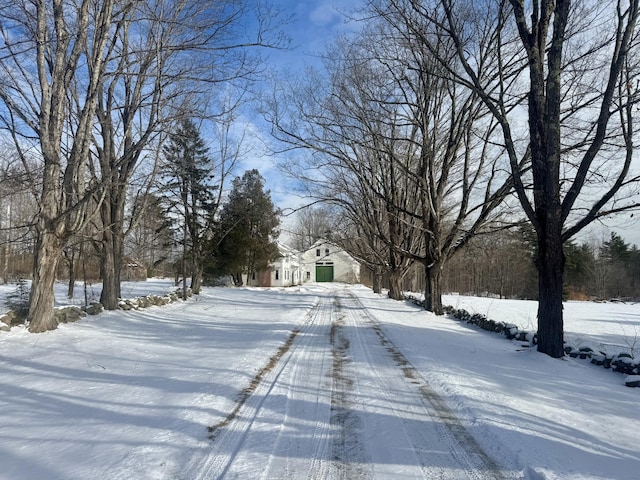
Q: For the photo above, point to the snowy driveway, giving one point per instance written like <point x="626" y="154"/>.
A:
<point x="319" y="381"/>
<point x="343" y="402"/>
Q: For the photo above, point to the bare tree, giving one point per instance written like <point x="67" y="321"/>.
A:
<point x="461" y="182"/>
<point x="404" y="149"/>
<point x="354" y="141"/>
<point x="376" y="198"/>
<point x="65" y="62"/>
<point x="48" y="48"/>
<point x="497" y="264"/>
<point x="168" y="56"/>
<point x="312" y="224"/>
<point x="17" y="208"/>
<point x="151" y="239"/>
<point x="567" y="68"/>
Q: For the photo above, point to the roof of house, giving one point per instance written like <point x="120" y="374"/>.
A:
<point x="287" y="250"/>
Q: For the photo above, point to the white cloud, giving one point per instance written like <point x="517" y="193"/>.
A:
<point x="325" y="14"/>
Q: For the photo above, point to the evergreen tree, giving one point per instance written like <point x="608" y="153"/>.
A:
<point x="247" y="230"/>
<point x="634" y="272"/>
<point x="618" y="255"/>
<point x="188" y="179"/>
<point x="579" y="261"/>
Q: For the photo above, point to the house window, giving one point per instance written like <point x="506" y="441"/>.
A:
<point x="317" y="252"/>
<point x="326" y="251"/>
<point x="308" y="275"/>
<point x="277" y="274"/>
<point x="253" y="276"/>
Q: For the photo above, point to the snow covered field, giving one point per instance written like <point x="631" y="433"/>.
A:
<point x="610" y="327"/>
<point x="320" y="381"/>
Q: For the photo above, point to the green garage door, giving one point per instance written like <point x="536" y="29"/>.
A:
<point x="324" y="273"/>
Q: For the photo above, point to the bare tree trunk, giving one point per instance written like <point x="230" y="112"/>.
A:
<point x="84" y="275"/>
<point x="72" y="277"/>
<point x="48" y="252"/>
<point x="183" y="265"/>
<point x="5" y="265"/>
<point x="433" y="290"/>
<point x="7" y="248"/>
<point x="550" y="264"/>
<point x="70" y="254"/>
<point x="196" y="278"/>
<point x="398" y="264"/>
<point x="377" y="279"/>
<point x="111" y="253"/>
<point x="395" y="284"/>
<point x="110" y="284"/>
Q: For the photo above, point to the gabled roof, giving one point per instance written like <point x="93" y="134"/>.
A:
<point x="336" y="249"/>
<point x="286" y="250"/>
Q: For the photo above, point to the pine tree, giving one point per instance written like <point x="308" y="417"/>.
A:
<point x="189" y="180"/>
<point x="617" y="254"/>
<point x="248" y="229"/>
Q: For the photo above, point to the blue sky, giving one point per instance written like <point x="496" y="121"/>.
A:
<point x="314" y="23"/>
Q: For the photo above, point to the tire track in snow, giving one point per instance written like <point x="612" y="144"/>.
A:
<point x="230" y="437"/>
<point x="339" y="400"/>
<point x="348" y="454"/>
<point x="253" y="385"/>
<point x="466" y="458"/>
<point x="294" y="457"/>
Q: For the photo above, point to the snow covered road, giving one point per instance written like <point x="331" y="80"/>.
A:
<point x="320" y="381"/>
<point x="339" y="400"/>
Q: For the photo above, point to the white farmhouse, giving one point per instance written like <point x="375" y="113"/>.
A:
<point x="284" y="271"/>
<point x="323" y="262"/>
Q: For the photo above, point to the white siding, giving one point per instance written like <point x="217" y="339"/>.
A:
<point x="345" y="268"/>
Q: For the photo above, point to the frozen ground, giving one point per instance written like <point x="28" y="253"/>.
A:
<point x="321" y="381"/>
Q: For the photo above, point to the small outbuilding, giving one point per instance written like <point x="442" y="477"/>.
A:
<point x="133" y="270"/>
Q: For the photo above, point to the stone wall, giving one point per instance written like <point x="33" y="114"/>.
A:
<point x="71" y="314"/>
<point x="622" y="362"/>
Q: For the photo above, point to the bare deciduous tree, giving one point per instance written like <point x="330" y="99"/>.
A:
<point x="405" y="150"/>
<point x="457" y="166"/>
<point x="312" y="224"/>
<point x="567" y="68"/>
<point x="354" y="141"/>
<point x="168" y="56"/>
<point x="17" y="207"/>
<point x="64" y="63"/>
<point x="48" y="48"/>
